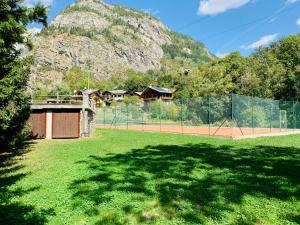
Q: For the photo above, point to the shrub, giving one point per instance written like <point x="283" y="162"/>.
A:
<point x="164" y="110"/>
<point x="197" y="51"/>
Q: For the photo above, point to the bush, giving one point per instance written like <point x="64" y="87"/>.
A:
<point x="180" y="42"/>
<point x="260" y="117"/>
<point x="20" y="138"/>
<point x="132" y="100"/>
<point x="77" y="79"/>
<point x="127" y="12"/>
<point x="164" y="110"/>
<point x="109" y="36"/>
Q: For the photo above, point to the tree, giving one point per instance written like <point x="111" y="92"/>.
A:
<point x="78" y="79"/>
<point x="136" y="81"/>
<point x="287" y="51"/>
<point x="14" y="101"/>
<point x="270" y="73"/>
<point x="207" y="79"/>
<point x="132" y="100"/>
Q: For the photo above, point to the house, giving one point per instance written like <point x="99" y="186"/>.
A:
<point x="94" y="94"/>
<point x="66" y="117"/>
<point x="138" y="94"/>
<point x="157" y="93"/>
<point x="115" y="95"/>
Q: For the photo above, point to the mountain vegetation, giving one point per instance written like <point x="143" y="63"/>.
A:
<point x="90" y="35"/>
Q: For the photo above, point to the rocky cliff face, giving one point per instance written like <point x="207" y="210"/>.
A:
<point x="101" y="38"/>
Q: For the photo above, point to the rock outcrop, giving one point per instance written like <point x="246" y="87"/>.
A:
<point x="101" y="38"/>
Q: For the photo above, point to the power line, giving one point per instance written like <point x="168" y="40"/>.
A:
<point x="262" y="19"/>
<point x="233" y="28"/>
<point x="253" y="27"/>
<point x="193" y="23"/>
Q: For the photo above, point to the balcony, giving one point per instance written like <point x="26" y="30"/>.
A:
<point x="163" y="98"/>
<point x="57" y="100"/>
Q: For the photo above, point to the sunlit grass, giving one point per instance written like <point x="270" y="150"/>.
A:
<point x="124" y="177"/>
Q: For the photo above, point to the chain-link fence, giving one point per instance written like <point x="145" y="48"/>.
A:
<point x="228" y="116"/>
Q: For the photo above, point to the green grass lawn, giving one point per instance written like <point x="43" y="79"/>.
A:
<point x="124" y="177"/>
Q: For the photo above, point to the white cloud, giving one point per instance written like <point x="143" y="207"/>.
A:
<point x="298" y="22"/>
<point x="265" y="40"/>
<point x="291" y="1"/>
<point x="271" y="20"/>
<point x="213" y="7"/>
<point x="31" y="3"/>
<point x="222" y="55"/>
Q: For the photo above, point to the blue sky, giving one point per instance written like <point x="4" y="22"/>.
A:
<point x="222" y="25"/>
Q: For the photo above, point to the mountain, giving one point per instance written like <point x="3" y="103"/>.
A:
<point x="106" y="39"/>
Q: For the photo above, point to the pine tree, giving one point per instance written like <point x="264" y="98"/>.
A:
<point x="14" y="71"/>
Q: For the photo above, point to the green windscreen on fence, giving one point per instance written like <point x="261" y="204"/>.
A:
<point x="229" y="115"/>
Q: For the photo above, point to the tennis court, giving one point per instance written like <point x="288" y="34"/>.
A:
<point x="233" y="116"/>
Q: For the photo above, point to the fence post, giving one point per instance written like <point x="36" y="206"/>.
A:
<point x="181" y="114"/>
<point x="280" y="117"/>
<point x="271" y="119"/>
<point x="104" y="121"/>
<point x="115" y="117"/>
<point x="232" y="116"/>
<point x="127" y="116"/>
<point x="252" y="115"/>
<point x="142" y="111"/>
<point x="159" y="115"/>
<point x="209" y="128"/>
<point x="294" y="116"/>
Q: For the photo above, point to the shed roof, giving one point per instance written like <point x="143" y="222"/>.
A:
<point x="138" y="93"/>
<point x="117" y="92"/>
<point x="161" y="90"/>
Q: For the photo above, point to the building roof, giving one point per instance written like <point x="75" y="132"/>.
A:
<point x="138" y="93"/>
<point x="92" y="91"/>
<point x="117" y="92"/>
<point x="162" y="90"/>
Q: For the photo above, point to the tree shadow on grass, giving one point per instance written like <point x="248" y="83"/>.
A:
<point x="13" y="212"/>
<point x="193" y="182"/>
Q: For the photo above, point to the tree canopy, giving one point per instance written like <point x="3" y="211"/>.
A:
<point x="14" y="100"/>
<point x="270" y="72"/>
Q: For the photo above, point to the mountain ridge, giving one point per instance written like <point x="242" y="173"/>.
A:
<point x="106" y="39"/>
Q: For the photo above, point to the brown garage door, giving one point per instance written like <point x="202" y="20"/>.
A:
<point x="65" y="124"/>
<point x="37" y="121"/>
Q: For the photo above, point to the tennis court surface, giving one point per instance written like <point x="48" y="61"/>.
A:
<point x="226" y="132"/>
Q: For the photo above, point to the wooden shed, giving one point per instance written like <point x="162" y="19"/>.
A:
<point x="62" y="120"/>
<point x="37" y="121"/>
<point x="65" y="124"/>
